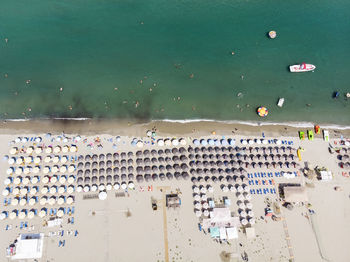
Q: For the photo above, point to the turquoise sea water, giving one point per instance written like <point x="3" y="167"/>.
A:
<point x="99" y="51"/>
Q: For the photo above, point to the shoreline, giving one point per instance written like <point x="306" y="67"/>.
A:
<point x="164" y="127"/>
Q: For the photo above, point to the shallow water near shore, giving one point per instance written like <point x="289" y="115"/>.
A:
<point x="172" y="60"/>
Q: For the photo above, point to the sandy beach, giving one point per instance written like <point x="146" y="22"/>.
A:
<point x="123" y="227"/>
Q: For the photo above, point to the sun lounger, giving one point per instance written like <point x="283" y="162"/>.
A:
<point x="72" y="220"/>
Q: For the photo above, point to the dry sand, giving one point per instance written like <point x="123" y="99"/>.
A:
<point x="127" y="229"/>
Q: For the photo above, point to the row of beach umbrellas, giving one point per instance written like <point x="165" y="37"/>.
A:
<point x="102" y="187"/>
<point x="39" y="149"/>
<point x="161" y="142"/>
<point x="36" y="169"/>
<point x="51" y="200"/>
<point x="33" y="190"/>
<point x="214" y="142"/>
<point x="26" y="160"/>
<point x="215" y="179"/>
<point x="29" y="214"/>
<point x="19" y="180"/>
<point x="238" y="156"/>
<point x="242" y="150"/>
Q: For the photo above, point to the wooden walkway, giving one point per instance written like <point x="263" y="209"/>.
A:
<point x="165" y="222"/>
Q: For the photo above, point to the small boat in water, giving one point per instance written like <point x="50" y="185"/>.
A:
<point x="272" y="34"/>
<point x="302" y="68"/>
<point x="280" y="102"/>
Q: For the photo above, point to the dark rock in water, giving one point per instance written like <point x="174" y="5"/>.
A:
<point x="336" y="94"/>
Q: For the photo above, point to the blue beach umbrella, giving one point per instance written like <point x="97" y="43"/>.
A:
<point x="204" y="142"/>
<point x="211" y="142"/>
<point x="196" y="142"/>
<point x="224" y="142"/>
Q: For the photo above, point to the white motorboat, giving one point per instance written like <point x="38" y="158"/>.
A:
<point x="302" y="68"/>
<point x="280" y="102"/>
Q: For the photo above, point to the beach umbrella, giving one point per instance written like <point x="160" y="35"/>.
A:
<point x="47" y="159"/>
<point x="10" y="171"/>
<point x="139" y="178"/>
<point x="71" y="168"/>
<point x="250" y="213"/>
<point x="183" y="142"/>
<point x="6" y="192"/>
<point x="53" y="190"/>
<point x="15" y="191"/>
<point x="23" y="201"/>
<point x="247" y="196"/>
<point x="123" y="185"/>
<point x="73" y="149"/>
<point x="205" y="205"/>
<point x="8" y="181"/>
<point x="198" y="213"/>
<point x="48" y="150"/>
<point x="86" y="188"/>
<point x="203" y="189"/>
<point x="53" y="179"/>
<point x="65" y="149"/>
<point x="169" y="176"/>
<point x="19" y="160"/>
<point x="15" y="201"/>
<point x="195" y="189"/>
<point x="22" y="214"/>
<point x="204" y="142"/>
<point x="62" y="179"/>
<point x="33" y="190"/>
<point x="131" y="185"/>
<point x="61" y="189"/>
<point x="232" y="188"/>
<point x="210" y="189"/>
<point x="244" y="222"/>
<point x="54" y="169"/>
<point x="211" y="142"/>
<point x="94" y="188"/>
<point x="43" y="212"/>
<point x="57" y="149"/>
<point x="13" y="214"/>
<point x="167" y="142"/>
<point x="116" y="186"/>
<point x="23" y="191"/>
<point x="224" y="188"/>
<point x="14" y="150"/>
<point x="204" y="197"/>
<point x="17" y="180"/>
<point x="109" y="187"/>
<point x="19" y="170"/>
<point x="198" y="205"/>
<point x="162" y="177"/>
<point x="175" y="142"/>
<point x="38" y="150"/>
<point x="196" y="197"/>
<point x="206" y="213"/>
<point x="70" y="189"/>
<point x="79" y="188"/>
<point x="60" y="212"/>
<point x="251" y="221"/>
<point x="3" y="215"/>
<point x="196" y="142"/>
<point x="70" y="200"/>
<point x="26" y="170"/>
<point x="64" y="159"/>
<point x="63" y="169"/>
<point x="60" y="200"/>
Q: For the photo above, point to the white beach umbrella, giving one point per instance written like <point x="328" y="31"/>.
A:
<point x="204" y="197"/>
<point x="44" y="190"/>
<point x="60" y="200"/>
<point x="160" y="142"/>
<point x="23" y="191"/>
<point x="116" y="186"/>
<point x="10" y="171"/>
<point x="63" y="169"/>
<point x="62" y="179"/>
<point x="38" y="150"/>
<point x="15" y="191"/>
<point x="19" y="170"/>
<point x="243" y="213"/>
<point x="183" y="142"/>
<point x="239" y="188"/>
<point x="22" y="201"/>
<point x="17" y="180"/>
<point x="11" y="161"/>
<point x="24" y="140"/>
<point x="258" y="141"/>
<point x="70" y="189"/>
<point x="109" y="186"/>
<point x="244" y="142"/>
<point x="198" y="213"/>
<point x="13" y="214"/>
<point x="53" y="190"/>
<point x="3" y="215"/>
<point x="71" y="168"/>
<point x="28" y="159"/>
<point x="77" y="138"/>
<point x="47" y="159"/>
<point x="240" y="197"/>
<point x="197" y="197"/>
<point x="205" y="205"/>
<point x="38" y="139"/>
<point x="5" y="192"/>
<point x="102" y="195"/>
<point x="175" y="142"/>
<point x="26" y="170"/>
<point x="86" y="188"/>
<point x="54" y="169"/>
<point x="60" y="213"/>
<point x="139" y="144"/>
<point x="232" y="188"/>
<point x="94" y="188"/>
<point x="149" y="133"/>
<point x="48" y="150"/>
<point x="206" y="213"/>
<point x="36" y="169"/>
<point x="250" y="213"/>
<point x="167" y="142"/>
<point x="250" y="141"/>
<point x="65" y="140"/>
<point x="30" y="150"/>
<point x="73" y="149"/>
<point x="57" y="149"/>
<point x="101" y="187"/>
<point x="70" y="200"/>
<point x="64" y="159"/>
<point x="43" y="212"/>
<point x="79" y="188"/>
<point x="65" y="149"/>
<point x="131" y="185"/>
<point x="55" y="159"/>
<point x="43" y="200"/>
<point x="31" y="214"/>
<point x="52" y="200"/>
<point x="61" y="189"/>
<point x="18" y="140"/>
<point x="265" y="142"/>
<point x="247" y="196"/>
<point x="123" y="185"/>
<point x="22" y="214"/>
<point x="210" y="189"/>
<point x="244" y="221"/>
<point x="46" y="169"/>
<point x="241" y="205"/>
<point x="15" y="201"/>
<point x="25" y="180"/>
<point x="13" y="150"/>
<point x="203" y="189"/>
<point x="196" y="189"/>
<point x="58" y="139"/>
<point x="45" y="180"/>
<point x="53" y="179"/>
<point x="278" y="142"/>
<point x="33" y="191"/>
<point x="198" y="205"/>
<point x="19" y="160"/>
<point x="71" y="179"/>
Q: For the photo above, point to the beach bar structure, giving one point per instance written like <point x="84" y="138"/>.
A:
<point x="221" y="217"/>
<point x="173" y="200"/>
<point x="28" y="246"/>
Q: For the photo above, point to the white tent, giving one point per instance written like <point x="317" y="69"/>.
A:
<point x="223" y="234"/>
<point x="29" y="246"/>
<point x="232" y="233"/>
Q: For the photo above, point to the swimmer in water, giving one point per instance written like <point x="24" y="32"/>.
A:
<point x="232" y="53"/>
<point x="6" y="40"/>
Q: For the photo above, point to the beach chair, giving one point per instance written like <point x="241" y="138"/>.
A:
<point x="263" y="182"/>
<point x="21" y="225"/>
<point x="274" y="191"/>
<point x="255" y="175"/>
<point x="76" y="233"/>
<point x="73" y="209"/>
<point x="26" y="224"/>
<point x="72" y="220"/>
<point x="271" y="190"/>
